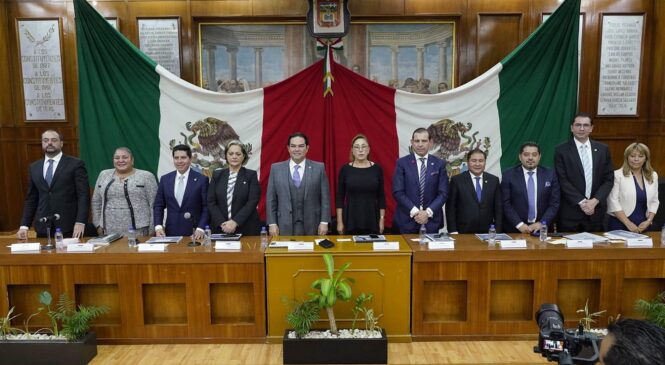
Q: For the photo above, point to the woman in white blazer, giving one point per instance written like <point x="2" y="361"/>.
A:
<point x="633" y="201"/>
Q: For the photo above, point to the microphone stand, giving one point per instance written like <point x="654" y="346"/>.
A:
<point x="49" y="243"/>
<point x="193" y="242"/>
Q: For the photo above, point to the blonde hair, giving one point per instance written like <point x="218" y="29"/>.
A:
<point x="353" y="141"/>
<point x="647" y="170"/>
<point x="243" y="150"/>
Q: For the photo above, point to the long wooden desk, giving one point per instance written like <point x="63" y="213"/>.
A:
<point x="188" y="294"/>
<point x="481" y="292"/>
<point x="385" y="274"/>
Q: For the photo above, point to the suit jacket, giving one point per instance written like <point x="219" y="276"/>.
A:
<point x="67" y="196"/>
<point x="516" y="200"/>
<point x="317" y="197"/>
<point x="570" y="173"/>
<point x="246" y="195"/>
<point x="194" y="201"/>
<point x="464" y="214"/>
<point x="406" y="191"/>
<point x="623" y="194"/>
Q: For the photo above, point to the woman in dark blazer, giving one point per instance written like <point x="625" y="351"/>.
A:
<point x="239" y="187"/>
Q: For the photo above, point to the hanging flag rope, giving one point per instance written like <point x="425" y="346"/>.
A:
<point x="328" y="45"/>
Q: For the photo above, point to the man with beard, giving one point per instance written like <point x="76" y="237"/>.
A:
<point x="57" y="191"/>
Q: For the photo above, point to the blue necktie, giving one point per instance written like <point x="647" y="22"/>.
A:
<point x="421" y="180"/>
<point x="49" y="172"/>
<point x="296" y="176"/>
<point x="531" y="194"/>
<point x="479" y="191"/>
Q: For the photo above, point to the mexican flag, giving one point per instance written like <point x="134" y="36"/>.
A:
<point x="126" y="99"/>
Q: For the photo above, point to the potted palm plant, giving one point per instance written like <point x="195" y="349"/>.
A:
<point x="67" y="341"/>
<point x="302" y="345"/>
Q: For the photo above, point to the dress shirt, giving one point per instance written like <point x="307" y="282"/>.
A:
<point x="56" y="161"/>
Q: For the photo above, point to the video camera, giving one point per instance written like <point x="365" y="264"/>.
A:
<point x="567" y="347"/>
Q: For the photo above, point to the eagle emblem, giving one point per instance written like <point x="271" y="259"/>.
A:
<point x="451" y="143"/>
<point x="208" y="138"/>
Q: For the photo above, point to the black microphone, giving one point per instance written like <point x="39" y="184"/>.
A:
<point x="50" y="218"/>
<point x="190" y="219"/>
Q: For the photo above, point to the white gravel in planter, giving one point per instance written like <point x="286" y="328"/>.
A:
<point x="344" y="333"/>
<point x="36" y="337"/>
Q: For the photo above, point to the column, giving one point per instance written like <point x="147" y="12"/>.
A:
<point x="394" y="51"/>
<point x="443" y="62"/>
<point x="420" y="62"/>
<point x="233" y="62"/>
<point x="210" y="65"/>
<point x="258" y="67"/>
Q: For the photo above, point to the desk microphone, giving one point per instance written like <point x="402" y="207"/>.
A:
<point x="188" y="217"/>
<point x="50" y="218"/>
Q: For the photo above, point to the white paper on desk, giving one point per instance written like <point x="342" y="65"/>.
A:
<point x="278" y="244"/>
<point x="512" y="243"/>
<point x="441" y="245"/>
<point x="639" y="242"/>
<point x="343" y="240"/>
<point x="560" y="241"/>
<point x="25" y="247"/>
<point x="152" y="247"/>
<point x="228" y="245"/>
<point x="81" y="247"/>
<point x="301" y="246"/>
<point x="579" y="244"/>
<point x="167" y="239"/>
<point x="385" y="246"/>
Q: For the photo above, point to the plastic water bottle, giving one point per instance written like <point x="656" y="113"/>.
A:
<point x="207" y="236"/>
<point x="543" y="231"/>
<point x="662" y="236"/>
<point x="491" y="239"/>
<point x="131" y="237"/>
<point x="423" y="234"/>
<point x="59" y="239"/>
<point x="264" y="237"/>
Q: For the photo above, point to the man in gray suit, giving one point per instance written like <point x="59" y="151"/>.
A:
<point x="298" y="198"/>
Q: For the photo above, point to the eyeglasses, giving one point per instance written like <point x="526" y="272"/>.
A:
<point x="363" y="147"/>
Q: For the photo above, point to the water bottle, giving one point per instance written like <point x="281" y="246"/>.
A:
<point x="423" y="234"/>
<point x="59" y="239"/>
<point x="131" y="237"/>
<point x="207" y="236"/>
<point x="264" y="237"/>
<point x="662" y="236"/>
<point x="491" y="239"/>
<point x="543" y="231"/>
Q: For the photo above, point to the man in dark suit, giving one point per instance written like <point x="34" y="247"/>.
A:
<point x="298" y="197"/>
<point x="420" y="187"/>
<point x="585" y="173"/>
<point x="57" y="187"/>
<point x="530" y="192"/>
<point x="475" y="198"/>
<point x="180" y="192"/>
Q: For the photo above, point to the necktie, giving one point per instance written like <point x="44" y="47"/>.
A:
<point x="479" y="190"/>
<point x="296" y="176"/>
<point x="421" y="180"/>
<point x="586" y="165"/>
<point x="180" y="190"/>
<point x="531" y="194"/>
<point x="229" y="190"/>
<point x="49" y="172"/>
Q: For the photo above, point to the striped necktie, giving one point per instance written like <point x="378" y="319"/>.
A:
<point x="229" y="190"/>
<point x="421" y="180"/>
<point x="588" y="174"/>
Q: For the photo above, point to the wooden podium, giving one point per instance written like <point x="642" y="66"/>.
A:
<point x="478" y="291"/>
<point x="187" y="294"/>
<point x="386" y="274"/>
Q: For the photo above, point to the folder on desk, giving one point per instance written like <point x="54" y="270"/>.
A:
<point x="105" y="240"/>
<point x="369" y="238"/>
<point x="226" y="236"/>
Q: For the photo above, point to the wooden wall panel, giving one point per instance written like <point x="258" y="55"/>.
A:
<point x="498" y="35"/>
<point x="486" y="30"/>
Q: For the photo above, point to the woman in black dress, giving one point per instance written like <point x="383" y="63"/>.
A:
<point x="361" y="201"/>
<point x="233" y="195"/>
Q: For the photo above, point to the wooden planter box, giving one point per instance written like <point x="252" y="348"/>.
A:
<point x="335" y="351"/>
<point x="34" y="352"/>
